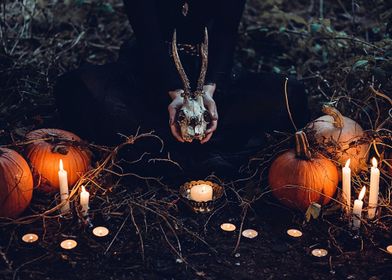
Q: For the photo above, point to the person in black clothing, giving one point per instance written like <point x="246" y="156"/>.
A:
<point x="143" y="88"/>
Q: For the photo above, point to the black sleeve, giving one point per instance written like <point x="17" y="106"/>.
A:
<point x="222" y="39"/>
<point x="143" y="18"/>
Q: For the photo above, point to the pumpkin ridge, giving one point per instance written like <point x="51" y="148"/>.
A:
<point x="42" y="153"/>
<point x="297" y="182"/>
<point x="16" y="184"/>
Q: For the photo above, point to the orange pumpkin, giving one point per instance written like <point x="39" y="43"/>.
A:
<point x="298" y="179"/>
<point x="342" y="137"/>
<point x="47" y="147"/>
<point x="16" y="183"/>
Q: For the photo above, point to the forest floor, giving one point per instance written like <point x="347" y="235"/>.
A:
<point x="341" y="50"/>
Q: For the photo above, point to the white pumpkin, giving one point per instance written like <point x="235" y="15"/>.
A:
<point x="342" y="137"/>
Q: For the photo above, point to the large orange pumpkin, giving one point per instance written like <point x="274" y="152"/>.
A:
<point x="47" y="147"/>
<point x="298" y="179"/>
<point x="342" y="137"/>
<point x="16" y="183"/>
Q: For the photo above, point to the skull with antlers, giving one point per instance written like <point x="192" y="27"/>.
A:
<point x="193" y="118"/>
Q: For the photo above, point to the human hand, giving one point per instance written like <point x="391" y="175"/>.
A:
<point x="174" y="106"/>
<point x="210" y="105"/>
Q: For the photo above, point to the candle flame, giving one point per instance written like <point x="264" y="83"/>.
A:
<point x="348" y="163"/>
<point x="61" y="166"/>
<point x="374" y="162"/>
<point x="362" y="193"/>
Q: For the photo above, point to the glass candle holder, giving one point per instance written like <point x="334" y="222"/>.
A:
<point x="198" y="205"/>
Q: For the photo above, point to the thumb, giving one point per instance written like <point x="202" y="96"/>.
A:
<point x="172" y="114"/>
<point x="211" y="107"/>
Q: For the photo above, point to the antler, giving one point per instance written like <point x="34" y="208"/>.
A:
<point x="204" y="63"/>
<point x="180" y="68"/>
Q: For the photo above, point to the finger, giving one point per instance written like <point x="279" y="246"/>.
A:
<point x="211" y="107"/>
<point x="206" y="138"/>
<point x="213" y="126"/>
<point x="174" y="131"/>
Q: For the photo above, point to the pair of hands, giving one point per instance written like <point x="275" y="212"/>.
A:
<point x="209" y="103"/>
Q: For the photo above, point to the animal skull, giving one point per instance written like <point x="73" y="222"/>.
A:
<point x="193" y="118"/>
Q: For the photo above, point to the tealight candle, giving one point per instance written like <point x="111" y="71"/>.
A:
<point x="63" y="184"/>
<point x="30" y="237"/>
<point x="100" y="231"/>
<point x="84" y="201"/>
<point x="346" y="185"/>
<point x="228" y="227"/>
<point x="249" y="233"/>
<point x="200" y="193"/>
<point x="319" y="252"/>
<point x="294" y="232"/>
<point x="357" y="211"/>
<point x="68" y="244"/>
<point x="389" y="249"/>
<point x="374" y="189"/>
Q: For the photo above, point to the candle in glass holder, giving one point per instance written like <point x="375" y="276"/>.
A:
<point x="84" y="201"/>
<point x="357" y="211"/>
<point x="374" y="189"/>
<point x="100" y="231"/>
<point x="200" y="193"/>
<point x="228" y="227"/>
<point x="30" y="237"/>
<point x="346" y="185"/>
<point x="63" y="185"/>
<point x="68" y="244"/>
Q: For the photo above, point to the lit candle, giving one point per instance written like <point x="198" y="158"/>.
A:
<point x="228" y="227"/>
<point x="68" y="244"/>
<point x="100" y="231"/>
<point x="250" y="233"/>
<point x="357" y="211"/>
<point x="319" y="253"/>
<point x="84" y="201"/>
<point x="202" y="192"/>
<point x="374" y="188"/>
<point x="30" y="237"/>
<point x="63" y="183"/>
<point x="346" y="174"/>
<point x="294" y="232"/>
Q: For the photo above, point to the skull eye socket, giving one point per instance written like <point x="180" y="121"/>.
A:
<point x="181" y="116"/>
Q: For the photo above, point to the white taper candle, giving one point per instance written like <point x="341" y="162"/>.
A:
<point x="63" y="184"/>
<point x="84" y="201"/>
<point x="357" y="211"/>
<point x="346" y="182"/>
<point x="374" y="189"/>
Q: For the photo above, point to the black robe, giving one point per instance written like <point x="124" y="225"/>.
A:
<point x="98" y="102"/>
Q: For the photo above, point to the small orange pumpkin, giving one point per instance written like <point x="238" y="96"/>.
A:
<point x="16" y="183"/>
<point x="298" y="179"/>
<point x="47" y="147"/>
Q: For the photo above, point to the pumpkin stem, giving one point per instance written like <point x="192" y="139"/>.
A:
<point x="61" y="149"/>
<point x="335" y="114"/>
<point x="302" y="146"/>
